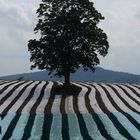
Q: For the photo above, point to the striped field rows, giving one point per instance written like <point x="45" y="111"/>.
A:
<point x="29" y="110"/>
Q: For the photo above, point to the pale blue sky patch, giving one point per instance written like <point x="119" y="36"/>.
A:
<point x="122" y="25"/>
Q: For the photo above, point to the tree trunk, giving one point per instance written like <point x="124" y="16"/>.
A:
<point x="67" y="79"/>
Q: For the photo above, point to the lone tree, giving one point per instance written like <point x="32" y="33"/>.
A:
<point x="69" y="37"/>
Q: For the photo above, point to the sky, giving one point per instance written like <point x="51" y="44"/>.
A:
<point x="121" y="24"/>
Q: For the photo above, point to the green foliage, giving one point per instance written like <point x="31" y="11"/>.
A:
<point x="70" y="37"/>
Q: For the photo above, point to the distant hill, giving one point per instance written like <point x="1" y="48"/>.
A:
<point x="100" y="75"/>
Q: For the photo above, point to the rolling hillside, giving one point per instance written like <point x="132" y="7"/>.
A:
<point x="30" y="110"/>
<point x="100" y="75"/>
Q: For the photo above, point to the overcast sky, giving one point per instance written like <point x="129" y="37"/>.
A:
<point x="122" y="25"/>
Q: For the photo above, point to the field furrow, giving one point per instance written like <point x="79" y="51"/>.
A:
<point x="30" y="110"/>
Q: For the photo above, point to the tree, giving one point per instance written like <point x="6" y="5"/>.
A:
<point x="69" y="37"/>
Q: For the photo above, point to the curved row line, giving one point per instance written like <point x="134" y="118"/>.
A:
<point x="104" y="105"/>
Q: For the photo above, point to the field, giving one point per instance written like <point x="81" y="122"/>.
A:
<point x="30" y="110"/>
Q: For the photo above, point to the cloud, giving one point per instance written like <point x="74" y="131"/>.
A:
<point x="21" y="11"/>
<point x="122" y="27"/>
<point x="17" y="22"/>
<point x="121" y="24"/>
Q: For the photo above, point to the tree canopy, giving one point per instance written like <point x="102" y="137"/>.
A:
<point x="69" y="37"/>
